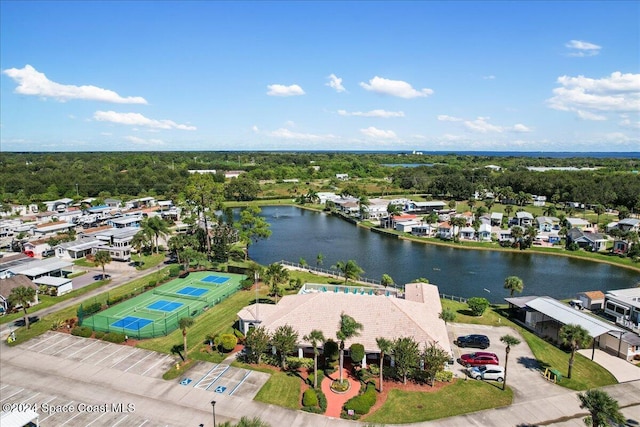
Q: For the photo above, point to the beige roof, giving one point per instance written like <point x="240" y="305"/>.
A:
<point x="6" y="285"/>
<point x="381" y="316"/>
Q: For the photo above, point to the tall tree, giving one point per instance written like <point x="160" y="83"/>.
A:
<point x="510" y="341"/>
<point x="434" y="359"/>
<point x="348" y="327"/>
<point x="156" y="227"/>
<point x="252" y="226"/>
<point x="350" y="269"/>
<point x="576" y="337"/>
<point x="513" y="284"/>
<point x="385" y="346"/>
<point x="257" y="341"/>
<point x="603" y="409"/>
<point x="284" y="340"/>
<point x="139" y="241"/>
<point x="204" y="195"/>
<point x="315" y="336"/>
<point x="102" y="258"/>
<point x="184" y="323"/>
<point x="406" y="354"/>
<point x="274" y="276"/>
<point x="319" y="259"/>
<point x="457" y="222"/>
<point x="22" y="296"/>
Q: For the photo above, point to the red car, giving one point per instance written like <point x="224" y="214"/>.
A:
<point x="479" y="358"/>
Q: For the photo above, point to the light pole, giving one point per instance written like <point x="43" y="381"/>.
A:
<point x="213" y="406"/>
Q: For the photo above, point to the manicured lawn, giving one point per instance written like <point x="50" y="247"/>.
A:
<point x="463" y="314"/>
<point x="458" y="398"/>
<point x="282" y="389"/>
<point x="148" y="261"/>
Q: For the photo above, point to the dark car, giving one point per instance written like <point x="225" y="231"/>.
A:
<point x="20" y="321"/>
<point x="479" y="358"/>
<point x="475" y="341"/>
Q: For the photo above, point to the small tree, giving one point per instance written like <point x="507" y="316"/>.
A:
<point x="385" y="347"/>
<point x="386" y="280"/>
<point x="102" y="258"/>
<point x="315" y="336"/>
<point x="406" y="353"/>
<point x="357" y="353"/>
<point x="22" y="296"/>
<point x="478" y="305"/>
<point x="257" y="341"/>
<point x="513" y="284"/>
<point x="603" y="409"/>
<point x="510" y="341"/>
<point x="184" y="323"/>
<point x="448" y="315"/>
<point x="350" y="269"/>
<point x="576" y="337"/>
<point x="284" y="340"/>
<point x="434" y="359"/>
<point x="319" y="259"/>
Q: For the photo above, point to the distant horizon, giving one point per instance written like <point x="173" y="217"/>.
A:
<point x="519" y="76"/>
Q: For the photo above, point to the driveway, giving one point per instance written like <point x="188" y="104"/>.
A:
<point x="524" y="376"/>
<point x="620" y="368"/>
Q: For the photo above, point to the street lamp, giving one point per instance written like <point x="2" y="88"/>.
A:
<point x="213" y="406"/>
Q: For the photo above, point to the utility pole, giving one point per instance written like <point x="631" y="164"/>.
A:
<point x="77" y="194"/>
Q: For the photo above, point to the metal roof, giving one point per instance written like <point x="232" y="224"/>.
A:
<point x="568" y="315"/>
<point x="38" y="268"/>
<point x="51" y="281"/>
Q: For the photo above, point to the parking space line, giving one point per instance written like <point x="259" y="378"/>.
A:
<point x="109" y="355"/>
<point x="125" y="356"/>
<point x="150" y="353"/>
<point x="55" y="343"/>
<point x="155" y="364"/>
<point x="53" y="413"/>
<point x="29" y="398"/>
<point x="96" y="419"/>
<point x="206" y="376"/>
<point x="9" y="397"/>
<point x="240" y="383"/>
<point x="125" y="417"/>
<point x="4" y="386"/>
<point x="76" y="415"/>
<point x="217" y="378"/>
<point x="40" y="341"/>
<point x="83" y="348"/>
<point x="97" y="351"/>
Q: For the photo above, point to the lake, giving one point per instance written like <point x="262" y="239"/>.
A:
<point x="299" y="233"/>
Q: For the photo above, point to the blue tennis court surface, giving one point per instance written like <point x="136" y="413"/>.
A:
<point x="215" y="279"/>
<point x="190" y="290"/>
<point x="163" y="305"/>
<point x="133" y="323"/>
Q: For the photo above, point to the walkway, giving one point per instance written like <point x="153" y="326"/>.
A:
<point x="335" y="401"/>
<point x="619" y="368"/>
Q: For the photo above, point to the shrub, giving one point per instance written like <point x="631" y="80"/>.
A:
<point x="152" y="283"/>
<point x="309" y="398"/>
<point x="246" y="284"/>
<point x="92" y="308"/>
<point x="238" y="334"/>
<point x="228" y="342"/>
<point x="444" y="376"/>
<point x="331" y="351"/>
<point x="114" y="337"/>
<point x="311" y="377"/>
<point x="98" y="335"/>
<point x="478" y="305"/>
<point x="322" y="399"/>
<point x="82" y="331"/>
<point x="174" y="271"/>
<point x="362" y="403"/>
<point x="357" y="353"/>
<point x="295" y="362"/>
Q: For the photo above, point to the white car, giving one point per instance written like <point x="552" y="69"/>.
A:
<point x="487" y="372"/>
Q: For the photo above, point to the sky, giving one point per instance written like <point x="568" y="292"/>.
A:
<point x="320" y="75"/>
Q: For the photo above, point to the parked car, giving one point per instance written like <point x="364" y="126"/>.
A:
<point x="476" y="341"/>
<point x="487" y="372"/>
<point x="479" y="358"/>
<point x="20" y="321"/>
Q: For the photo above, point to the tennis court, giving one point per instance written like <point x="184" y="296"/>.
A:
<point x="157" y="312"/>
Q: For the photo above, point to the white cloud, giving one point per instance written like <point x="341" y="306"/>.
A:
<point x="520" y="128"/>
<point x="445" y="118"/>
<point x="376" y="133"/>
<point x="137" y="119"/>
<point x="32" y="82"/>
<point x="489" y="77"/>
<point x="255" y="129"/>
<point x="290" y="124"/>
<point x="450" y="137"/>
<point x="397" y="88"/>
<point x="627" y="122"/>
<point x="282" y="90"/>
<point x="373" y="113"/>
<point x="586" y="115"/>
<point x="142" y="141"/>
<point x="481" y="125"/>
<point x="336" y="83"/>
<point x="288" y="134"/>
<point x="586" y="96"/>
<point x="582" y="48"/>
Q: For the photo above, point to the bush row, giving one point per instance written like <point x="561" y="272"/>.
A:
<point x="362" y="403"/>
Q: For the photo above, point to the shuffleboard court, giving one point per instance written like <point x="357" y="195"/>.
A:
<point x="190" y="290"/>
<point x="163" y="305"/>
<point x="133" y="323"/>
<point x="215" y="279"/>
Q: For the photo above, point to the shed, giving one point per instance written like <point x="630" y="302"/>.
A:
<point x="59" y="285"/>
<point x="592" y="300"/>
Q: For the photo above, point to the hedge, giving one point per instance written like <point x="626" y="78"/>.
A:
<point x="362" y="403"/>
<point x="98" y="335"/>
<point x="91" y="308"/>
<point x="320" y="378"/>
<point x="114" y="337"/>
<point x="82" y="331"/>
<point x="309" y="398"/>
<point x="228" y="342"/>
<point x="444" y="376"/>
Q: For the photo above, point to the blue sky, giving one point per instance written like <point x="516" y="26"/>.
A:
<point x="431" y="76"/>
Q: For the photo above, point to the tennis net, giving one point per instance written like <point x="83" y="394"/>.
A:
<point x="155" y="313"/>
<point x="176" y="295"/>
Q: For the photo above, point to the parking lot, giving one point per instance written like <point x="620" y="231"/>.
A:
<point x="524" y="376"/>
<point x="225" y="379"/>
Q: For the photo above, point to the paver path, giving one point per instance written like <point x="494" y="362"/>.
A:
<point x="335" y="401"/>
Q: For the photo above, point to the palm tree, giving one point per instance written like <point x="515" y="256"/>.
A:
<point x="385" y="347"/>
<point x="471" y="203"/>
<point x="457" y="222"/>
<point x="157" y="227"/>
<point x="184" y="323"/>
<point x="489" y="203"/>
<point x="140" y="240"/>
<point x="508" y="209"/>
<point x="510" y="341"/>
<point x="350" y="269"/>
<point x="603" y="409"/>
<point x="599" y="210"/>
<point x="347" y="328"/>
<point x="101" y="258"/>
<point x="274" y="276"/>
<point x="22" y="296"/>
<point x="364" y="207"/>
<point x="550" y="210"/>
<point x="314" y="337"/>
<point x="576" y="337"/>
<point x="513" y="284"/>
<point x="319" y="259"/>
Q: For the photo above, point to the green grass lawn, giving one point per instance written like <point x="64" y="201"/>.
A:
<point x="463" y="314"/>
<point x="148" y="261"/>
<point x="461" y="397"/>
<point x="282" y="389"/>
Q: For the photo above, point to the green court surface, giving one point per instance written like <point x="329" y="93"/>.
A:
<point x="157" y="312"/>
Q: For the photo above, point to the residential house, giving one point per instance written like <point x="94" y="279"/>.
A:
<point x="445" y="231"/>
<point x="142" y="202"/>
<point x="100" y="211"/>
<point x="377" y="209"/>
<point x="629" y="224"/>
<point x="342" y="176"/>
<point x="423" y="207"/>
<point x="51" y="228"/>
<point x="539" y="200"/>
<point x="45" y="267"/>
<point x="406" y="226"/>
<point x="496" y="218"/>
<point x="8" y="227"/>
<point x="348" y="205"/>
<point x="7" y="285"/>
<point x="113" y="203"/>
<point x="467" y="233"/>
<point x="233" y="174"/>
<point x="620" y="247"/>
<point x="39" y="248"/>
<point x="505" y="236"/>
<point x="592" y="300"/>
<point x="547" y="224"/>
<point x="424" y="230"/>
<point x="324" y="197"/>
<point x="578" y="223"/>
<point x="524" y="219"/>
<point x="126" y="221"/>
<point x="484" y="232"/>
<point x="55" y="286"/>
<point x="59" y="205"/>
<point x="595" y="242"/>
<point x="117" y="241"/>
<point x="624" y="306"/>
<point x="392" y="220"/>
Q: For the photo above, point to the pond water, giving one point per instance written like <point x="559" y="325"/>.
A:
<point x="299" y="233"/>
